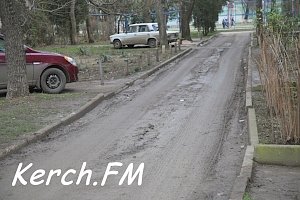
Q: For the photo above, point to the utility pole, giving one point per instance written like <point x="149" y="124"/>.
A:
<point x="293" y="8"/>
<point x="234" y="14"/>
<point x="263" y="11"/>
<point x="228" y="14"/>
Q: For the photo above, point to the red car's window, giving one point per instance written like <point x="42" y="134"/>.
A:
<point x="2" y="49"/>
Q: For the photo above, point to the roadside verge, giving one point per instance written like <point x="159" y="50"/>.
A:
<point x="266" y="154"/>
<point x="241" y="182"/>
<point x="42" y="133"/>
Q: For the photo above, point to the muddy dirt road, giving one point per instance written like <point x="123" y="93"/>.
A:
<point x="185" y="124"/>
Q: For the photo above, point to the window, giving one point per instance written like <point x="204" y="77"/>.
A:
<point x="2" y="49"/>
<point x="143" y="28"/>
<point x="155" y="28"/>
<point x="133" y="29"/>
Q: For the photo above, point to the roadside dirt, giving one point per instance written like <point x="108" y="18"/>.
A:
<point x="269" y="181"/>
<point x="275" y="182"/>
<point x="120" y="63"/>
<point x="186" y="124"/>
<point x="267" y="125"/>
<point x="27" y="115"/>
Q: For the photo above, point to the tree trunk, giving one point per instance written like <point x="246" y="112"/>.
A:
<point x="162" y="25"/>
<point x="146" y="11"/>
<point x="247" y="13"/>
<point x="11" y="16"/>
<point x="73" y="32"/>
<point x="186" y="9"/>
<point x="298" y="115"/>
<point x="259" y="17"/>
<point x="89" y="30"/>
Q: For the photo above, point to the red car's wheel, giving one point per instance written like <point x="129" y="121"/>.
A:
<point x="53" y="81"/>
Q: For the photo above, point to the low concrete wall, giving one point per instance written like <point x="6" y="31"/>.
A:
<point x="288" y="155"/>
<point x="252" y="127"/>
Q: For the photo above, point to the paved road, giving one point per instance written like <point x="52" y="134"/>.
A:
<point x="185" y="124"/>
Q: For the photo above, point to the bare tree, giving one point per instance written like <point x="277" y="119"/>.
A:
<point x="89" y="29"/>
<point x="147" y="4"/>
<point x="73" y="32"/>
<point x="12" y="17"/>
<point x="106" y="6"/>
<point x="162" y="24"/>
<point x="247" y="6"/>
<point x="186" y="10"/>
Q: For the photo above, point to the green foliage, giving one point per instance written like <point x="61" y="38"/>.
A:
<point x="48" y="19"/>
<point x="205" y="14"/>
<point x="247" y="196"/>
<point x="38" y="31"/>
<point x="279" y="23"/>
<point x="76" y="50"/>
<point x="284" y="26"/>
<point x="61" y="15"/>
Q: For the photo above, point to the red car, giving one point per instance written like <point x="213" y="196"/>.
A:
<point x="47" y="71"/>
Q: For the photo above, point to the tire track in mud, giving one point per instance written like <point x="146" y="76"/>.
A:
<point x="173" y="122"/>
<point x="144" y="133"/>
<point x="234" y="132"/>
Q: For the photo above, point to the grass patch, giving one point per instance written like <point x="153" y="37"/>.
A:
<point x="76" y="50"/>
<point x="29" y="114"/>
<point x="258" y="88"/>
<point x="17" y="117"/>
<point x="196" y="34"/>
<point x="236" y="30"/>
<point x="247" y="196"/>
<point x="61" y="96"/>
<point x="267" y="124"/>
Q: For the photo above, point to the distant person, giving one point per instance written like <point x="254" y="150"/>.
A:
<point x="223" y="23"/>
<point x="232" y="22"/>
<point x="226" y="23"/>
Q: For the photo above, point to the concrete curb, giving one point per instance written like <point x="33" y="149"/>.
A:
<point x="33" y="137"/>
<point x="152" y="71"/>
<point x="252" y="127"/>
<point x="264" y="154"/>
<point x="206" y="40"/>
<point x="241" y="182"/>
<point x="287" y="155"/>
<point x="249" y="79"/>
<point x="42" y="133"/>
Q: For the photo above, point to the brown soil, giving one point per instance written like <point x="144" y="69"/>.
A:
<point x="267" y="124"/>
<point x="119" y="64"/>
<point x="269" y="181"/>
<point x="275" y="182"/>
<point x="29" y="114"/>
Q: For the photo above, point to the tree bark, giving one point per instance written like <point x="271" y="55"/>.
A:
<point x="259" y="17"/>
<point x="73" y="31"/>
<point x="12" y="20"/>
<point x="298" y="115"/>
<point x="186" y="9"/>
<point x="162" y="25"/>
<point x="146" y="11"/>
<point x="89" y="30"/>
